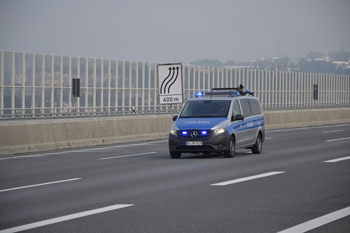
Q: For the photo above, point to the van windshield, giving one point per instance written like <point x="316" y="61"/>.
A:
<point x="206" y="108"/>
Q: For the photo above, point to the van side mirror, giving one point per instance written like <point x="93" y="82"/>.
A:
<point x="237" y="117"/>
<point x="174" y="118"/>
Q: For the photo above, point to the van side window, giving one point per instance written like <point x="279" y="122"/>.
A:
<point x="236" y="109"/>
<point x="246" y="108"/>
<point x="255" y="107"/>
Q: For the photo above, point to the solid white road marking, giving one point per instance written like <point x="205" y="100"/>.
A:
<point x="338" y="139"/>
<point x="64" y="218"/>
<point x="317" y="222"/>
<point x="333" y="131"/>
<point x="84" y="150"/>
<point x="123" y="156"/>
<point x="316" y="127"/>
<point x="268" y="138"/>
<point x="36" y="185"/>
<point x="337" y="160"/>
<point x="247" y="178"/>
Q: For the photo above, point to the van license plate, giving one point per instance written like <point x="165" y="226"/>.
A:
<point x="194" y="143"/>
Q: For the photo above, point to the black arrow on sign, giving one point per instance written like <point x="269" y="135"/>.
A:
<point x="161" y="87"/>
<point x="177" y="74"/>
<point x="173" y="69"/>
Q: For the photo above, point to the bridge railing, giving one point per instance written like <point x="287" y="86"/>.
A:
<point x="39" y="85"/>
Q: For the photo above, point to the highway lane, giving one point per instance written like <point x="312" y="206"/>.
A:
<point x="145" y="191"/>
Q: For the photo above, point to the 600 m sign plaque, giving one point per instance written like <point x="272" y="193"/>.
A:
<point x="170" y="83"/>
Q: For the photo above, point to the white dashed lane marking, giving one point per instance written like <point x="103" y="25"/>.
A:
<point x="248" y="178"/>
<point x="64" y="218"/>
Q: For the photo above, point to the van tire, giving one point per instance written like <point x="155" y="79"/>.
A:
<point x="231" y="152"/>
<point x="175" y="155"/>
<point x="256" y="149"/>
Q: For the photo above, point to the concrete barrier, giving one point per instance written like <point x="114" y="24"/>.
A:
<point x="303" y="118"/>
<point x="21" y="136"/>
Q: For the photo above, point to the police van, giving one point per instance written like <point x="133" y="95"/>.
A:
<point x="218" y="121"/>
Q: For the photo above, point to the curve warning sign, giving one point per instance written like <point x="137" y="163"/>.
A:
<point x="170" y="83"/>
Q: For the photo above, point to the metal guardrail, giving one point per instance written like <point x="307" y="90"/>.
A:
<point x="136" y="111"/>
<point x="34" y="85"/>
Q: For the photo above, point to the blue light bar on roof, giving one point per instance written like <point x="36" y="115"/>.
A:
<point x="199" y="94"/>
<point x="234" y="93"/>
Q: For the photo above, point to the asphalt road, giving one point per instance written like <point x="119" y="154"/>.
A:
<point x="294" y="185"/>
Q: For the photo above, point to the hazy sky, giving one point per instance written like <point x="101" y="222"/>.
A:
<point x="175" y="31"/>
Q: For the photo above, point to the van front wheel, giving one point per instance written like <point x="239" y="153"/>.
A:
<point x="256" y="149"/>
<point x="231" y="152"/>
<point x="175" y="155"/>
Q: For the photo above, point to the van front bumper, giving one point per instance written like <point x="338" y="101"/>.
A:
<point x="219" y="143"/>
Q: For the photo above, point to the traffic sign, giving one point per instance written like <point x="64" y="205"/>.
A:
<point x="170" y="83"/>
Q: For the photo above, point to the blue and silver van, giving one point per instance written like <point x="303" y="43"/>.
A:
<point x="218" y="122"/>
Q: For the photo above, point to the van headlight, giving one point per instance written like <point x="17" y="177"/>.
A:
<point x="173" y="131"/>
<point x="219" y="131"/>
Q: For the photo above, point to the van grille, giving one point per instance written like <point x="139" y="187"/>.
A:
<point x="194" y="134"/>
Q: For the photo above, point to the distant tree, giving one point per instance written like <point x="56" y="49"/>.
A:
<point x="314" y="54"/>
<point x="230" y="63"/>
<point x="340" y="56"/>
<point x="263" y="64"/>
<point x="208" y="62"/>
<point x="314" y="66"/>
<point x="282" y="63"/>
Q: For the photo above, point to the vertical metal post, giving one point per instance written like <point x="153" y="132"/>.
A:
<point x="231" y="78"/>
<point x="347" y="96"/>
<point x="86" y="84"/>
<point x="137" y="85"/>
<point x="13" y="83"/>
<point x="272" y="88"/>
<point x="143" y="87"/>
<point x="289" y="88"/>
<point x="109" y="86"/>
<point x="283" y="89"/>
<point x="78" y="76"/>
<point x="269" y="90"/>
<point x="116" y="85"/>
<point x="102" y="87"/>
<point x="307" y="95"/>
<point x="130" y="82"/>
<point x="324" y="87"/>
<point x="155" y="86"/>
<point x="23" y="83"/>
<point x="257" y="84"/>
<point x="52" y="83"/>
<point x="217" y="77"/>
<point x="70" y="84"/>
<point x="342" y="90"/>
<point x="61" y="84"/>
<point x="243" y="78"/>
<point x="198" y="79"/>
<point x="279" y="88"/>
<point x="94" y="85"/>
<point x="1" y="82"/>
<point x="123" y="85"/>
<point x="42" y="83"/>
<point x="194" y="79"/>
<point x="188" y="82"/>
<point x="298" y="89"/>
<point x="33" y="83"/>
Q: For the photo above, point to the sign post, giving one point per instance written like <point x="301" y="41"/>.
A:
<point x="170" y="83"/>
